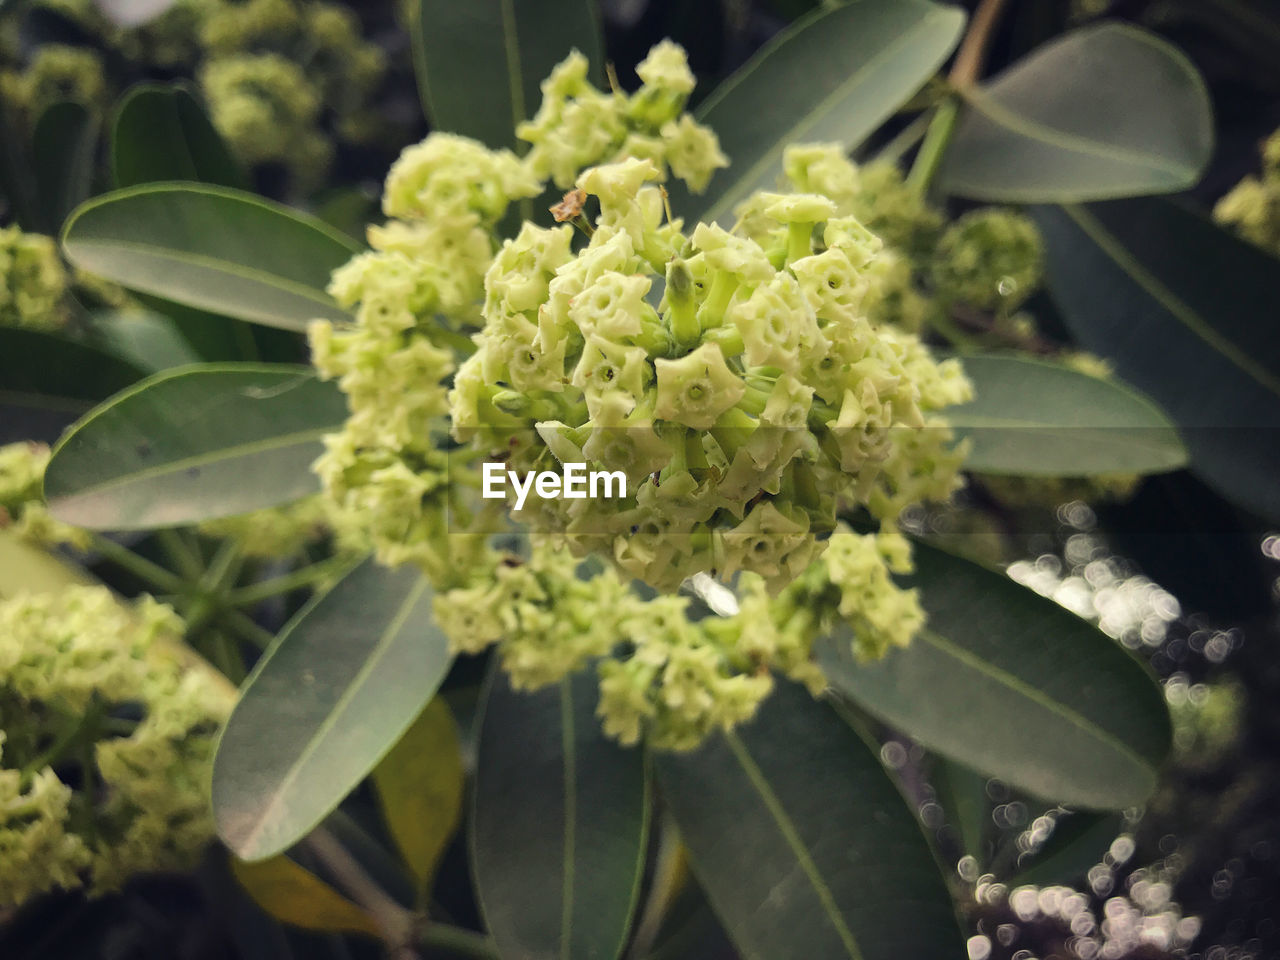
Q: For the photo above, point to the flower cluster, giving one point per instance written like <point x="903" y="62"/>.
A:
<point x="579" y="126"/>
<point x="745" y="409"/>
<point x="33" y="282"/>
<point x="22" y="505"/>
<point x="107" y="732"/>
<point x="1252" y="208"/>
<point x="282" y="77"/>
<point x="748" y="385"/>
<point x="989" y="259"/>
<point x="414" y="296"/>
<point x="55" y="72"/>
<point x="663" y="675"/>
<point x="276" y="532"/>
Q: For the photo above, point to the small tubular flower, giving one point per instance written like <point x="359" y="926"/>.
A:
<point x="578" y="126"/>
<point x="74" y="666"/>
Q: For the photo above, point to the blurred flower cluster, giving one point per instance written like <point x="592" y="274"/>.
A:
<point x="284" y="79"/>
<point x="107" y="731"/>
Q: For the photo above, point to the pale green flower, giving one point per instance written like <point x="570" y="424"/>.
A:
<point x="108" y="686"/>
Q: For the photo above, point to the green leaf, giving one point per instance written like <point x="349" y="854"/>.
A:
<point x="835" y="75"/>
<point x="47" y="380"/>
<point x="190" y="444"/>
<point x="295" y="895"/>
<point x="516" y="42"/>
<point x="1013" y="685"/>
<point x="161" y="132"/>
<point x="63" y="144"/>
<point x="802" y="842"/>
<point x="1105" y="111"/>
<point x="1079" y="841"/>
<point x="340" y="686"/>
<point x="1187" y="313"/>
<point x="420" y="783"/>
<point x="212" y="248"/>
<point x="1033" y="418"/>
<point x="558" y="825"/>
<point x="148" y="340"/>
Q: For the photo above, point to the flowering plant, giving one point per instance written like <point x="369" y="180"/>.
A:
<point x="816" y="374"/>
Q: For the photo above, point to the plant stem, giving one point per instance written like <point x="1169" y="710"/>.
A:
<point x="246" y="629"/>
<point x="395" y="922"/>
<point x="286" y="583"/>
<point x="142" y="568"/>
<point x="972" y="57"/>
<point x="907" y="138"/>
<point x="934" y="149"/>
<point x="180" y="554"/>
<point x="223" y="568"/>
<point x="965" y="72"/>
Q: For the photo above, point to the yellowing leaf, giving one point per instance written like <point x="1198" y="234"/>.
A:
<point x="420" y="789"/>
<point x="298" y="897"/>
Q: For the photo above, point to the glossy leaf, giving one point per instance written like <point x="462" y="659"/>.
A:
<point x="340" y="686"/>
<point x="558" y="825"/>
<point x="1033" y="418"/>
<point x="420" y="784"/>
<point x="298" y="897"/>
<point x="834" y="76"/>
<point x="212" y="248"/>
<point x="161" y="132"/>
<point x="1105" y="111"/>
<point x="1079" y="841"/>
<point x="194" y="443"/>
<point x="803" y="844"/>
<point x="148" y="340"/>
<point x="63" y="145"/>
<point x="1187" y="313"/>
<point x="1010" y="683"/>
<point x="518" y="44"/>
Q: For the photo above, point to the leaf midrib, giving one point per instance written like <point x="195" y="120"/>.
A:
<point x="223" y="453"/>
<point x="1116" y="251"/>
<point x="1026" y="690"/>
<point x="212" y="264"/>
<point x="384" y="643"/>
<point x="1043" y="133"/>
<point x="793" y="840"/>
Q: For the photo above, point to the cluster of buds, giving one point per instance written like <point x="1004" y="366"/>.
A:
<point x="1252" y="208"/>
<point x="415" y="297"/>
<point x="754" y="401"/>
<point x="990" y="259"/>
<point x="579" y="126"/>
<point x="745" y="383"/>
<point x="664" y="676"/>
<point x="107" y="731"/>
<point x="33" y="282"/>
